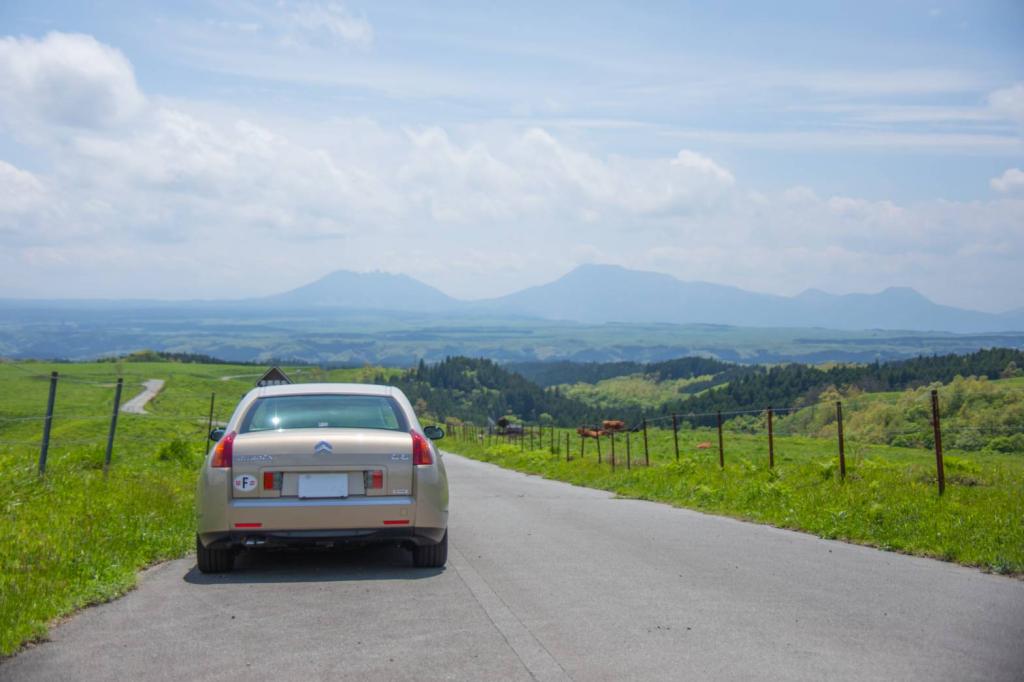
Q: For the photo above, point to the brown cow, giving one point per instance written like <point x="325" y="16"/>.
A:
<point x="704" y="446"/>
<point x="590" y="433"/>
<point x="613" y="425"/>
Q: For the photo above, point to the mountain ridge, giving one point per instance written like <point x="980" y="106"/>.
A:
<point x="603" y="294"/>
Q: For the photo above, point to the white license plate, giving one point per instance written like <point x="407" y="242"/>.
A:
<point x="323" y="485"/>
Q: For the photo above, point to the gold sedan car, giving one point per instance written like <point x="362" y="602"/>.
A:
<point x="322" y="464"/>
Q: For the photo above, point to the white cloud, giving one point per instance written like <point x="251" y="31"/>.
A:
<point x="20" y="191"/>
<point x="1009" y="102"/>
<point x="330" y="19"/>
<point x="67" y="79"/>
<point x="181" y="201"/>
<point x="1012" y="180"/>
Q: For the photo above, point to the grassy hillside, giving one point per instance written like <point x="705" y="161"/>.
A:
<point x="77" y="536"/>
<point x="643" y="391"/>
<point x="975" y="413"/>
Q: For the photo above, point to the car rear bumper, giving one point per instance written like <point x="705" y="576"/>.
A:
<point x="299" y="538"/>
<point x="416" y="519"/>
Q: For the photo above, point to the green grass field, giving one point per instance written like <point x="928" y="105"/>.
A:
<point x="888" y="499"/>
<point x="77" y="536"/>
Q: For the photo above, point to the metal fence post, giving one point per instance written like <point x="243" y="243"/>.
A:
<point x="598" y="439"/>
<point x="721" y="444"/>
<point x="675" y="435"/>
<point x="209" y="419"/>
<point x="771" y="441"/>
<point x="568" y="454"/>
<point x="583" y="443"/>
<point x="113" y="423"/>
<point x="939" y="468"/>
<point x="613" y="450"/>
<point x="45" y="446"/>
<point x="842" y="443"/>
<point x="647" y="454"/>
<point x="627" y="452"/>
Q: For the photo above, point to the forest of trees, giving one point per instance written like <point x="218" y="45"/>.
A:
<point x="474" y="390"/>
<point x="796" y="384"/>
<point x="565" y="372"/>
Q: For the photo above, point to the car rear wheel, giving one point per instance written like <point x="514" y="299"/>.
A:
<point x="211" y="560"/>
<point x="431" y="556"/>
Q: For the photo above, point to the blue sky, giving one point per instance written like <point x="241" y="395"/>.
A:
<point x="169" y="150"/>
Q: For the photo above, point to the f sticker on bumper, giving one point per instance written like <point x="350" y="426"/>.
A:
<point x="245" y="483"/>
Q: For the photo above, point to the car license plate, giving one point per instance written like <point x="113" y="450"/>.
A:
<point x="323" y="485"/>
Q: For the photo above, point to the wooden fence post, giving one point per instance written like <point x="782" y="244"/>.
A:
<point x="44" y="447"/>
<point x="675" y="435"/>
<point x="939" y="468"/>
<point x="647" y="454"/>
<point x="627" y="451"/>
<point x="771" y="440"/>
<point x="721" y="444"/>
<point x="612" y="436"/>
<point x="842" y="442"/>
<point x="113" y="424"/>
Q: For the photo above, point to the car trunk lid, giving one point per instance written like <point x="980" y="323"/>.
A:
<point x="311" y="462"/>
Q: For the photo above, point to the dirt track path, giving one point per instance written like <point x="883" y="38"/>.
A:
<point x="137" y="405"/>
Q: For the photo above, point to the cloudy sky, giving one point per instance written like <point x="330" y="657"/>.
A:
<point x="238" y="148"/>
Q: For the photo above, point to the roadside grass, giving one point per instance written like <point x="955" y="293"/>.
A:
<point x="888" y="500"/>
<point x="75" y="536"/>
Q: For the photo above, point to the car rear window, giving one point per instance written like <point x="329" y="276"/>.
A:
<point x="278" y="413"/>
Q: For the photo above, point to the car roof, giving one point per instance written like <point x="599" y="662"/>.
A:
<point x="324" y="388"/>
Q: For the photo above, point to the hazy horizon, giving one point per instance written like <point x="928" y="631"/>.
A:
<point x="211" y="298"/>
<point x="231" y="149"/>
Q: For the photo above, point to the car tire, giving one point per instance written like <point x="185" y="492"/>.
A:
<point x="431" y="556"/>
<point x="212" y="560"/>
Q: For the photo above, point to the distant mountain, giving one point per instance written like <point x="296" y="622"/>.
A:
<point x="609" y="293"/>
<point x="363" y="290"/>
<point x="594" y="294"/>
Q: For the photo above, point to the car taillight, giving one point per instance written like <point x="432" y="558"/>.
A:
<point x="374" y="479"/>
<point x="222" y="453"/>
<point x="421" y="449"/>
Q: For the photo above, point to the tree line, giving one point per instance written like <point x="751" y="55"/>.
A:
<point x="477" y="389"/>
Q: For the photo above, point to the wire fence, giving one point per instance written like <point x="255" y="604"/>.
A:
<point x="636" y="437"/>
<point x="928" y="433"/>
<point x="199" y="425"/>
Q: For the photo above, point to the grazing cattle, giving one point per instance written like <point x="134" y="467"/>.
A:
<point x="613" y="425"/>
<point x="704" y="446"/>
<point x="590" y="433"/>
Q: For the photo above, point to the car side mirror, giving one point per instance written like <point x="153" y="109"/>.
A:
<point x="216" y="434"/>
<point x="433" y="432"/>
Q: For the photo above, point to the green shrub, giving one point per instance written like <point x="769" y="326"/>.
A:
<point x="177" y="451"/>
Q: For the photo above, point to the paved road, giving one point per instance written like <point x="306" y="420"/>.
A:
<point x="137" y="405"/>
<point x="547" y="581"/>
